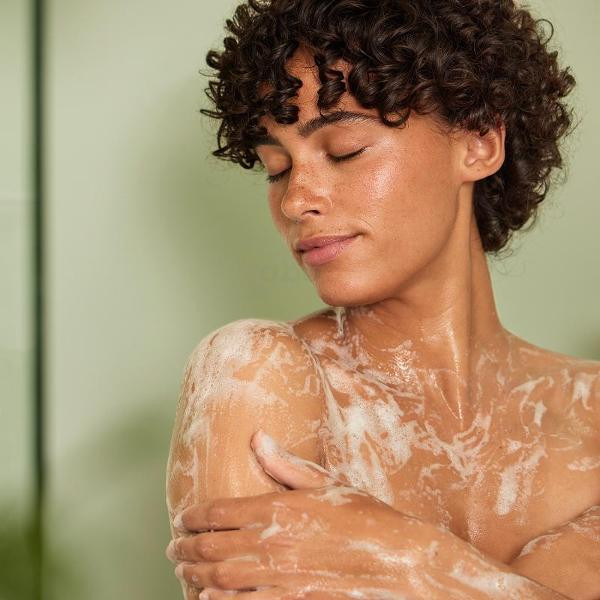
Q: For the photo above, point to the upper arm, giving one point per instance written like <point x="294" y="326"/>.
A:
<point x="566" y="558"/>
<point x="584" y="403"/>
<point x="246" y="375"/>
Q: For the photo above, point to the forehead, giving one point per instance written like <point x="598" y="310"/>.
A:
<point x="302" y="66"/>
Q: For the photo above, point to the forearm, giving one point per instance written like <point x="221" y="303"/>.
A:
<point x="570" y="579"/>
<point x="461" y="568"/>
<point x="566" y="558"/>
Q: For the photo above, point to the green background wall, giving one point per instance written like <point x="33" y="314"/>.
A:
<point x="152" y="243"/>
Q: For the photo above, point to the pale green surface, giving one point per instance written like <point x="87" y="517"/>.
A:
<point x="15" y="286"/>
<point x="153" y="243"/>
<point x="549" y="291"/>
<point x="14" y="241"/>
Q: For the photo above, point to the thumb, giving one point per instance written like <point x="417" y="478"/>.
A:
<point x="287" y="468"/>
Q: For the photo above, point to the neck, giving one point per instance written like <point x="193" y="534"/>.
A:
<point x="434" y="336"/>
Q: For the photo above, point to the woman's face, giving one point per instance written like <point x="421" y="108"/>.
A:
<point x="400" y="195"/>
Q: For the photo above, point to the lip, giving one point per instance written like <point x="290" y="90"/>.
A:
<point x="314" y="242"/>
<point x="324" y="253"/>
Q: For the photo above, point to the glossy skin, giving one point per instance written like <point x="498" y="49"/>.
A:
<point x="413" y="393"/>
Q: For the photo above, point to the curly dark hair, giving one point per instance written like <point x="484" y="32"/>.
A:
<point x="473" y="63"/>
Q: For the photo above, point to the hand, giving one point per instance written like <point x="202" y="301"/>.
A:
<point x="321" y="539"/>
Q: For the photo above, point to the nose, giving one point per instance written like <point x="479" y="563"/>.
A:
<point x="301" y="199"/>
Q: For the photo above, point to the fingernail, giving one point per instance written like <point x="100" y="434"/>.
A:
<point x="178" y="521"/>
<point x="179" y="571"/>
<point x="268" y="446"/>
<point x="171" y="550"/>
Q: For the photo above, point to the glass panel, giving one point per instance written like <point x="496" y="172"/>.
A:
<point x="16" y="321"/>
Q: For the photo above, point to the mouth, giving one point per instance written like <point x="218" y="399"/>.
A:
<point x="326" y="252"/>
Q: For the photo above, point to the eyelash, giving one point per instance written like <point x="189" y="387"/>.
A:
<point x="335" y="159"/>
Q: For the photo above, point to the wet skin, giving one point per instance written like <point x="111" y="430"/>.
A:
<point x="474" y="455"/>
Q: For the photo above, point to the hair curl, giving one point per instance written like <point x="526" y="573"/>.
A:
<point x="471" y="62"/>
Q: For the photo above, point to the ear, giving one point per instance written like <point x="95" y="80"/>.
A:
<point x="483" y="155"/>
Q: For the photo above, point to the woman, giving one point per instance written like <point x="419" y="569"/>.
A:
<point x="431" y="452"/>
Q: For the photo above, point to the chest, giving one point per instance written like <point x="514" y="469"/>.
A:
<point x="517" y="470"/>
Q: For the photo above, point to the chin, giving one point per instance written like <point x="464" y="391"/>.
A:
<point x="348" y="290"/>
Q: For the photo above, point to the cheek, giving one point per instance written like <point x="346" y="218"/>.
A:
<point x="410" y="207"/>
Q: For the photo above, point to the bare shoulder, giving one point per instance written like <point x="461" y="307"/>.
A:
<point x="244" y="349"/>
<point x="246" y="375"/>
<point x="576" y="380"/>
<point x="261" y="363"/>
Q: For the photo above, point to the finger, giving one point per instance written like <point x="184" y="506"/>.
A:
<point x="227" y="513"/>
<point x="189" y="592"/>
<point x="278" y="593"/>
<point x="270" y="593"/>
<point x="235" y="574"/>
<point x="287" y="468"/>
<point x="170" y="549"/>
<point x="215" y="545"/>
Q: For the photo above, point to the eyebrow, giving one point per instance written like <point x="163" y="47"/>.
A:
<point x="308" y="128"/>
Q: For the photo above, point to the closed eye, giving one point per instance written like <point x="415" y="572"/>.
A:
<point x="334" y="159"/>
